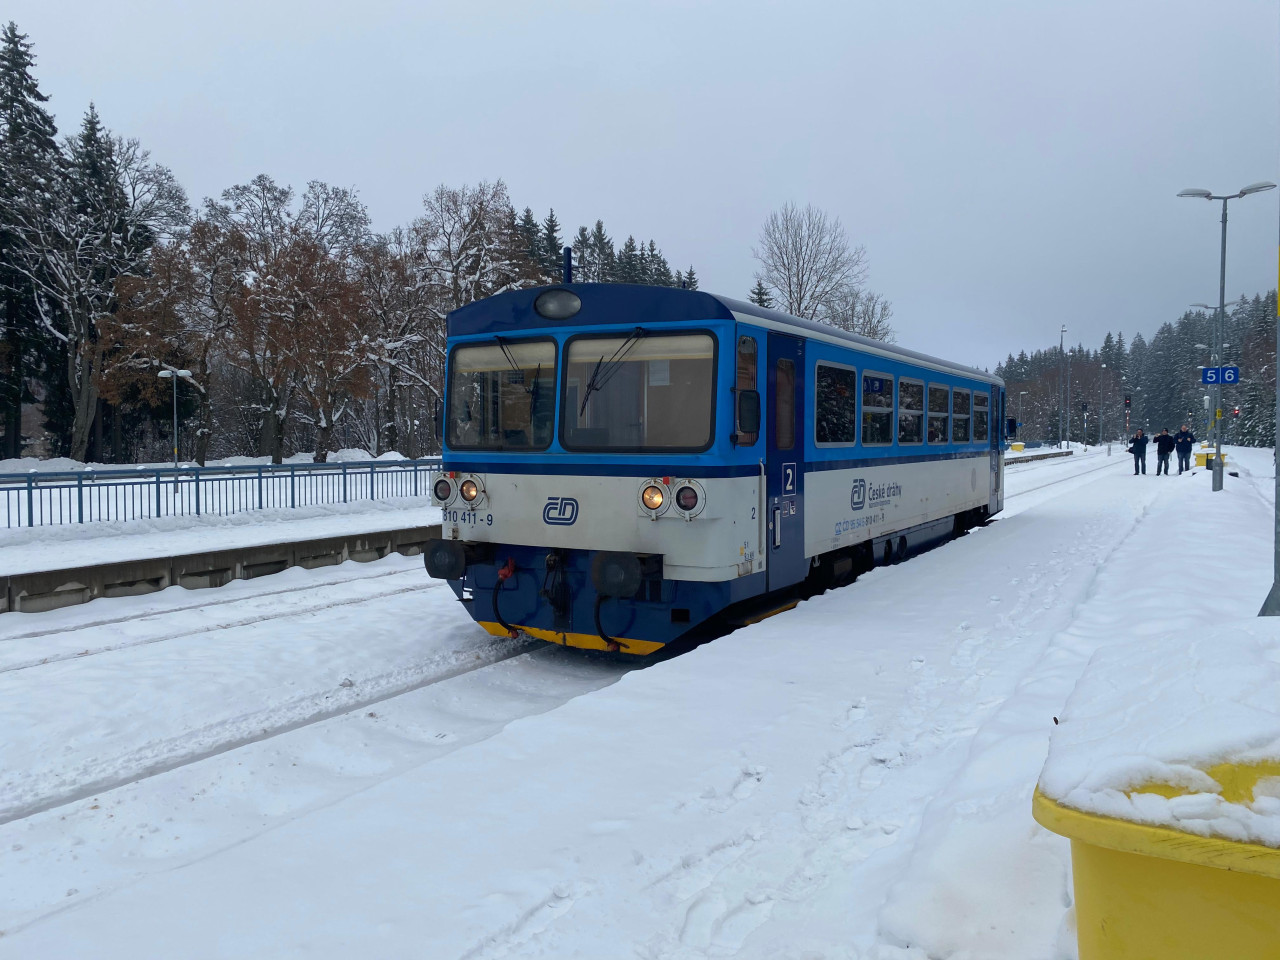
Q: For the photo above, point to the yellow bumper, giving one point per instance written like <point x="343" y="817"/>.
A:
<point x="1152" y="892"/>
<point x="585" y="641"/>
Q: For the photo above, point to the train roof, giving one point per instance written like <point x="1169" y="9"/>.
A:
<point x="631" y="305"/>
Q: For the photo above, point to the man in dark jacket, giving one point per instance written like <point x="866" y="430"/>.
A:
<point x="1164" y="450"/>
<point x="1183" y="439"/>
<point x="1138" y="447"/>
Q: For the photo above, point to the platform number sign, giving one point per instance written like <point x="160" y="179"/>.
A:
<point x="788" y="478"/>
<point x="1220" y="375"/>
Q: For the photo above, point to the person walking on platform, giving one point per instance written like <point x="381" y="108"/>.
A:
<point x="1183" y="439"/>
<point x="1138" y="447"/>
<point x="1164" y="450"/>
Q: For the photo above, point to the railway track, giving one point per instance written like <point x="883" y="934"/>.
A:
<point x="154" y="613"/>
<point x="1073" y="476"/>
<point x="192" y="746"/>
<point x="211" y="628"/>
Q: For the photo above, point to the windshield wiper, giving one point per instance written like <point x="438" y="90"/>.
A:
<point x="533" y="392"/>
<point x="605" y="370"/>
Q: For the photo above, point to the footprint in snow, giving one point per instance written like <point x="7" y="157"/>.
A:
<point x="853" y="714"/>
<point x="751" y="777"/>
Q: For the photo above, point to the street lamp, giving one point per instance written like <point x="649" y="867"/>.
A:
<point x="175" y="376"/>
<point x="1198" y="193"/>
<point x="1021" y="394"/>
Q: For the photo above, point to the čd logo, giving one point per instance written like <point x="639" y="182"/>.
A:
<point x="858" y="496"/>
<point x="560" y="511"/>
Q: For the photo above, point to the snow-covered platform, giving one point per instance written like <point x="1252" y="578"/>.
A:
<point x="353" y="769"/>
<point x="39" y="549"/>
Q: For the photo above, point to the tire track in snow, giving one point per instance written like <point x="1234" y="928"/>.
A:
<point x="93" y="777"/>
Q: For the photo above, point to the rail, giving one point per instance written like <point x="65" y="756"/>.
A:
<point x="37" y="499"/>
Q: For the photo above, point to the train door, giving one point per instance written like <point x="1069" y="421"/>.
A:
<point x="996" y="428"/>
<point x="784" y="463"/>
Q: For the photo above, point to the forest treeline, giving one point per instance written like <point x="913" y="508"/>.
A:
<point x="1160" y="376"/>
<point x="302" y="327"/>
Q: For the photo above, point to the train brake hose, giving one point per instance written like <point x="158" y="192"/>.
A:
<point x="504" y="574"/>
<point x="610" y="644"/>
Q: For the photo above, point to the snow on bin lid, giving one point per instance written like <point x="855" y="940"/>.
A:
<point x="1180" y="732"/>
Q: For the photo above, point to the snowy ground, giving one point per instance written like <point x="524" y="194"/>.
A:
<point x="337" y="763"/>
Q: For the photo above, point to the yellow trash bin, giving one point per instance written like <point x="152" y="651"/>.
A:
<point x="1203" y="456"/>
<point x="1153" y="892"/>
<point x="1017" y="447"/>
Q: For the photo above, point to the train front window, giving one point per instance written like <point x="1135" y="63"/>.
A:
<point x="639" y="392"/>
<point x="502" y="395"/>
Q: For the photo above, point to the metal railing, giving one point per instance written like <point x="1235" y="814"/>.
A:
<point x="86" y="496"/>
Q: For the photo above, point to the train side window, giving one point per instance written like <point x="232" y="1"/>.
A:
<point x="910" y="411"/>
<point x="960" y="416"/>
<point x="981" y="417"/>
<point x="785" y="407"/>
<point x="877" y="409"/>
<point x="835" y="409"/>
<point x="746" y="381"/>
<point x="939" y="405"/>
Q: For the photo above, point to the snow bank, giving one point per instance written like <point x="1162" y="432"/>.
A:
<point x="1166" y="711"/>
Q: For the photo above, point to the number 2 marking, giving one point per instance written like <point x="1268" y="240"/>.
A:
<point x="788" y="478"/>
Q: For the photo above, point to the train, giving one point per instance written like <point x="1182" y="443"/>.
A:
<point x="624" y="464"/>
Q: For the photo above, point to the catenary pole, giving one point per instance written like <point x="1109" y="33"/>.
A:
<point x="1217" y="386"/>
<point x="1061" y="339"/>
<point x="1271" y="606"/>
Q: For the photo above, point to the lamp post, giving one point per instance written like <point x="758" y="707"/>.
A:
<point x="1222" y="309"/>
<point x="1021" y="394"/>
<point x="1062" y="336"/>
<point x="175" y="376"/>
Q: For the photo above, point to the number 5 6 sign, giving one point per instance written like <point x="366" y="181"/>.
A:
<point x="1220" y="375"/>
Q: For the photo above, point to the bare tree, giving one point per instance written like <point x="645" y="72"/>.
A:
<point x="862" y="312"/>
<point x="401" y="328"/>
<point x="807" y="261"/>
<point x="179" y="311"/>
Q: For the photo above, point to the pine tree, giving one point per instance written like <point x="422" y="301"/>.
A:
<point x="29" y="161"/>
<point x="531" y="240"/>
<point x="582" y="256"/>
<point x="690" y="279"/>
<point x="602" y="257"/>
<point x="552" y="248"/>
<point x="659" y="269"/>
<point x="678" y="280"/>
<point x="628" y="269"/>
<point x="761" y="297"/>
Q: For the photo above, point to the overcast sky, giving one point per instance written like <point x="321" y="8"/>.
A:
<point x="1010" y="167"/>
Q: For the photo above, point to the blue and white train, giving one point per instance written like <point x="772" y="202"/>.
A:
<point x="623" y="463"/>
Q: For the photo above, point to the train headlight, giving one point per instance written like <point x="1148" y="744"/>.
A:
<point x="469" y="490"/>
<point x="653" y="497"/>
<point x="686" y="498"/>
<point x="443" y="490"/>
